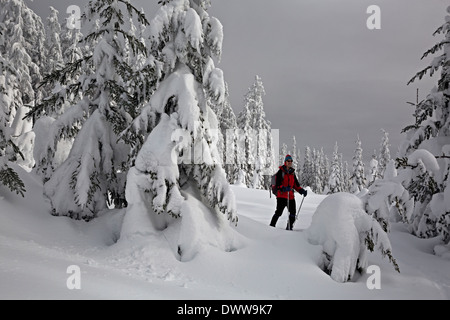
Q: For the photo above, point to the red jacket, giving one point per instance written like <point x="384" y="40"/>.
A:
<point x="288" y="179"/>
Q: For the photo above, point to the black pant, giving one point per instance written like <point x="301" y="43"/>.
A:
<point x="281" y="204"/>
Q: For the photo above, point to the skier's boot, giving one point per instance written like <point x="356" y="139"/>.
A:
<point x="290" y="223"/>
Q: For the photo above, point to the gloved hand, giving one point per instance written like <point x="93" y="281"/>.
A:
<point x="303" y="192"/>
<point x="285" y="189"/>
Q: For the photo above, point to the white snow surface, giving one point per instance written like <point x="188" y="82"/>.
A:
<point x="37" y="250"/>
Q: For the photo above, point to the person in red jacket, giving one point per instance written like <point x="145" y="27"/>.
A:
<point x="286" y="182"/>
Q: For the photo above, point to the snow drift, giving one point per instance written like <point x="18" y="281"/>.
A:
<point x="346" y="233"/>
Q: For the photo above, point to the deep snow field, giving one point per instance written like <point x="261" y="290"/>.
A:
<point x="39" y="251"/>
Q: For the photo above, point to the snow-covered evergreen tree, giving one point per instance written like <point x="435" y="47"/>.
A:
<point x="53" y="45"/>
<point x="425" y="153"/>
<point x="326" y="168"/>
<point x="70" y="38"/>
<point x="272" y="147"/>
<point x="373" y="167"/>
<point x="100" y="97"/>
<point x="257" y="131"/>
<point x="387" y="200"/>
<point x="9" y="103"/>
<point x="335" y="178"/>
<point x="283" y="152"/>
<point x="241" y="157"/>
<point x="54" y="57"/>
<point x="33" y="31"/>
<point x="317" y="184"/>
<point x="45" y="164"/>
<point x="265" y="163"/>
<point x="22" y="47"/>
<point x="228" y="138"/>
<point x="296" y="156"/>
<point x="248" y="142"/>
<point x="385" y="154"/>
<point x="358" y="176"/>
<point x="307" y="171"/>
<point x="346" y="177"/>
<point x="48" y="153"/>
<point x="8" y="149"/>
<point x="177" y="179"/>
<point x="295" y="160"/>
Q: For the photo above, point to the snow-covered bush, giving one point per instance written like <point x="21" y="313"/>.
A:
<point x="347" y="233"/>
<point x="426" y="176"/>
<point x="387" y="200"/>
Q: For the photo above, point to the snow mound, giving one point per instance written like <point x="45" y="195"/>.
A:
<point x="341" y="226"/>
<point x="425" y="158"/>
<point x="200" y="229"/>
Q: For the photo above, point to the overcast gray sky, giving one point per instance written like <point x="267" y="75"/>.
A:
<point x="328" y="78"/>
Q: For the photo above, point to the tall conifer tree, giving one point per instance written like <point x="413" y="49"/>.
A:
<point x="100" y="96"/>
<point x="428" y="136"/>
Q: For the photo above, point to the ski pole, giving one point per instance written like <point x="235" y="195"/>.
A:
<point x="296" y="216"/>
